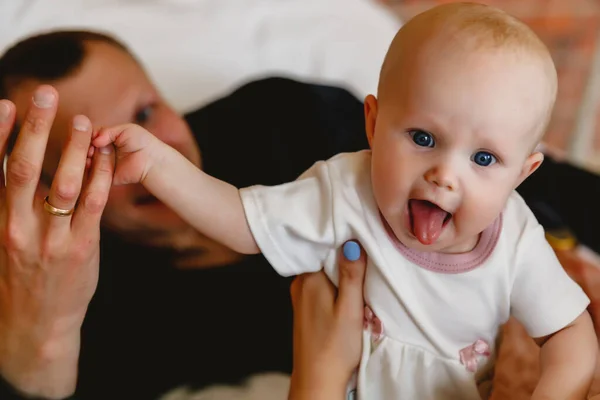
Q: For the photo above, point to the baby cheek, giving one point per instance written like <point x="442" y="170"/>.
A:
<point x="390" y="191"/>
<point x="480" y="210"/>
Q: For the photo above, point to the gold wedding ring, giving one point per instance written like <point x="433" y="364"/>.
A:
<point x="59" y="212"/>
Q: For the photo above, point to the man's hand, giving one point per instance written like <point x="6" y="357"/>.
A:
<point x="328" y="327"/>
<point x="48" y="263"/>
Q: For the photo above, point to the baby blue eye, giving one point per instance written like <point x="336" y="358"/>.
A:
<point x="422" y="138"/>
<point x="484" y="159"/>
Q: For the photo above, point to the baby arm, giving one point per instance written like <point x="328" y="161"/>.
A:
<point x="212" y="206"/>
<point x="568" y="359"/>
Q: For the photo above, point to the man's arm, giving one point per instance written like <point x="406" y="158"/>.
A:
<point x="7" y="392"/>
<point x="37" y="376"/>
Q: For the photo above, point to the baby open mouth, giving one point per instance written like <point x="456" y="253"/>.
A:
<point x="427" y="220"/>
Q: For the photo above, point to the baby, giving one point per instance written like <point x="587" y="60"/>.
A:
<point x="465" y="94"/>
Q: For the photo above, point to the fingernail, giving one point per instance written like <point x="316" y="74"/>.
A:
<point x="4" y="111"/>
<point x="44" y="98"/>
<point x="81" y="123"/>
<point x="105" y="149"/>
<point x="351" y="251"/>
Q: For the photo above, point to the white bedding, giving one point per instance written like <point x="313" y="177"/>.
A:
<point x="197" y="50"/>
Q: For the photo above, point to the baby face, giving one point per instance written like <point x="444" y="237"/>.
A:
<point x="450" y="141"/>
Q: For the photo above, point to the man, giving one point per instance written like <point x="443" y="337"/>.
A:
<point x="150" y="326"/>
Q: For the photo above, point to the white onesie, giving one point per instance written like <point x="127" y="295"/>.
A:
<point x="440" y="313"/>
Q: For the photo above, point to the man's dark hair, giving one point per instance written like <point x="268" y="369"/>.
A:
<point x="46" y="57"/>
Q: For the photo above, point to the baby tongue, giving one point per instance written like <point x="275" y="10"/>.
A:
<point x="427" y="220"/>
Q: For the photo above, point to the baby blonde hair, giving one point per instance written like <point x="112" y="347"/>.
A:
<point x="469" y="27"/>
<point x="488" y="26"/>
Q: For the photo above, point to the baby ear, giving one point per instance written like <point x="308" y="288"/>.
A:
<point x="531" y="164"/>
<point x="370" y="117"/>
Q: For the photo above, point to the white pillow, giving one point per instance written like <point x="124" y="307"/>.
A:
<point x="197" y="50"/>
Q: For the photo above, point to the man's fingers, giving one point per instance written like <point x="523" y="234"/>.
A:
<point x="26" y="159"/>
<point x="66" y="185"/>
<point x="352" y="267"/>
<point x="7" y="120"/>
<point x="95" y="193"/>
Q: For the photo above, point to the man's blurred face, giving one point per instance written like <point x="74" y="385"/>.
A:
<point x="111" y="88"/>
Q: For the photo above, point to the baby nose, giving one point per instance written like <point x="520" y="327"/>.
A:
<point x="442" y="179"/>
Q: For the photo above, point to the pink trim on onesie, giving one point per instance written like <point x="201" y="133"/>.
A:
<point x="452" y="263"/>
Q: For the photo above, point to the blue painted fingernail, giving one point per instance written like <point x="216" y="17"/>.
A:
<point x="351" y="251"/>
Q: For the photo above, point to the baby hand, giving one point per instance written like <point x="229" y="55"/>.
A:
<point x="136" y="151"/>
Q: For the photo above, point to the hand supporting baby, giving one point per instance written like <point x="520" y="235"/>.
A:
<point x="328" y="328"/>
